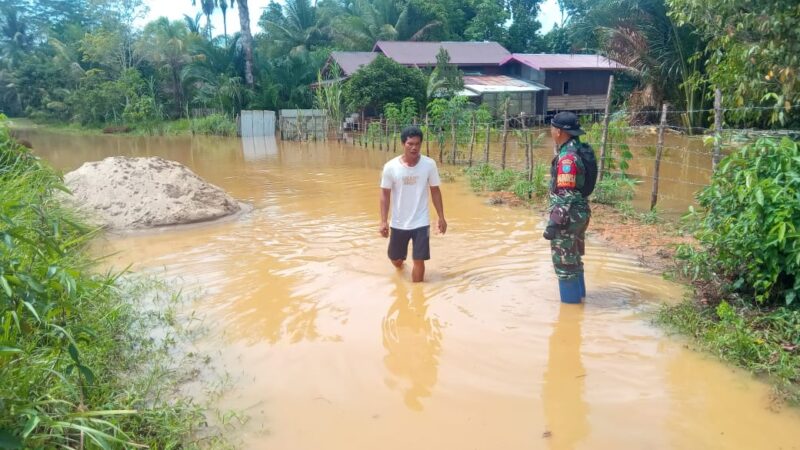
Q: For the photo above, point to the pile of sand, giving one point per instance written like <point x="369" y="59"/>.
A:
<point x="134" y="193"/>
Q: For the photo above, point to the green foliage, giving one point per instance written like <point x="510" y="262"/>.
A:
<point x="618" y="152"/>
<point x="763" y="342"/>
<point x="402" y="115"/>
<point x="614" y="190"/>
<point x="383" y="81"/>
<point x="74" y="356"/>
<point x="487" y="178"/>
<point x="753" y="53"/>
<point x="329" y="98"/>
<point x="446" y="77"/>
<point x="748" y="224"/>
<point x="216" y="124"/>
<point x="101" y="100"/>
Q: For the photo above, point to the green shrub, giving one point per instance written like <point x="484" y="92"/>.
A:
<point x="613" y="190"/>
<point x="216" y="124"/>
<point x="747" y="225"/>
<point x="501" y="180"/>
<point x="71" y="352"/>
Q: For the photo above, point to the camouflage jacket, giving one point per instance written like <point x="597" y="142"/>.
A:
<point x="567" y="175"/>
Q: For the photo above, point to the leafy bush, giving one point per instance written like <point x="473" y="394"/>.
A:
<point x="748" y="223"/>
<point x="71" y="355"/>
<point x="383" y="81"/>
<point x="613" y="190"/>
<point x="217" y="124"/>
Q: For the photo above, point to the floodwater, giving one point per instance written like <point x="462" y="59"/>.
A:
<point x="329" y="347"/>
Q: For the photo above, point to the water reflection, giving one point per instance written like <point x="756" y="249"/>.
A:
<point x="258" y="148"/>
<point x="413" y="342"/>
<point x="564" y="405"/>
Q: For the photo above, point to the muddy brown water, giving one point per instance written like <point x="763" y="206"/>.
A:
<point x="328" y="347"/>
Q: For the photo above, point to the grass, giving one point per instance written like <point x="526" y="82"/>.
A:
<point x="487" y="178"/>
<point x="764" y="341"/>
<point x="216" y="124"/>
<point x="78" y="358"/>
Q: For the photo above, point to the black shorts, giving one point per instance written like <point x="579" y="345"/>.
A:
<point x="420" y="237"/>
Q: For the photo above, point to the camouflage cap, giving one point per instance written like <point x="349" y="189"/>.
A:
<point x="568" y="122"/>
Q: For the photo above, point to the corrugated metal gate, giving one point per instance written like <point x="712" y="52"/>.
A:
<point x="303" y="124"/>
<point x="257" y="123"/>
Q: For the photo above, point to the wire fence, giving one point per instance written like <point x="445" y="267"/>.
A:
<point x="670" y="162"/>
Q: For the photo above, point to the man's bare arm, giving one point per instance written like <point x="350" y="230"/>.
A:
<point x="436" y="197"/>
<point x="383" y="228"/>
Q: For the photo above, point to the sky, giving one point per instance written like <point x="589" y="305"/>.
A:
<point x="175" y="9"/>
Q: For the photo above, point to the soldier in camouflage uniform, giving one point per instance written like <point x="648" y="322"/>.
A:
<point x="569" y="210"/>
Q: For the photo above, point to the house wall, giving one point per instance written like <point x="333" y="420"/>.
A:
<point x="586" y="89"/>
<point x="523" y="72"/>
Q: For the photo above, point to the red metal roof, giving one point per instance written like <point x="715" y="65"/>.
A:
<point x="412" y="53"/>
<point x="350" y="62"/>
<point x="542" y="61"/>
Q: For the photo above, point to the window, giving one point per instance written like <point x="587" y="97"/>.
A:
<point x="566" y="88"/>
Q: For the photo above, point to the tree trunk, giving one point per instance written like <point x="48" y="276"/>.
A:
<point x="247" y="41"/>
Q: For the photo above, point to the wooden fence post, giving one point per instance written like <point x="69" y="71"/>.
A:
<point x="505" y="134"/>
<point x="659" y="151"/>
<point x="486" y="147"/>
<point x="472" y="139"/>
<point x="428" y="140"/>
<point x="455" y="140"/>
<point x="606" y="118"/>
<point x="526" y="143"/>
<point x="717" y="156"/>
<point x="394" y="136"/>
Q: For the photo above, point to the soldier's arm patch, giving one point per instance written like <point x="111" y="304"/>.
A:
<point x="567" y="171"/>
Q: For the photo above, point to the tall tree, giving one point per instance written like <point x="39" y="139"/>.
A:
<point x="165" y="45"/>
<point x="247" y="41"/>
<point x="296" y="28"/>
<point x="223" y="7"/>
<point x="446" y="80"/>
<point x="641" y="35"/>
<point x="372" y="20"/>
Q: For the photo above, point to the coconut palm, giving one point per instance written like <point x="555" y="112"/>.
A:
<point x="193" y="24"/>
<point x="165" y="45"/>
<point x="298" y="29"/>
<point x="640" y="35"/>
<point x="376" y="20"/>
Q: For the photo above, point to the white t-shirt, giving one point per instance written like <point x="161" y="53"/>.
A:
<point x="409" y="187"/>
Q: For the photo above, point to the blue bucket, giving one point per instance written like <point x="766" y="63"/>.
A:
<point x="570" y="290"/>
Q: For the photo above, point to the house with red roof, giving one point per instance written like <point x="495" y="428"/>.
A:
<point x="536" y="84"/>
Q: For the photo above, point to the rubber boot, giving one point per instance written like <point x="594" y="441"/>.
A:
<point x="570" y="290"/>
<point x="583" y="287"/>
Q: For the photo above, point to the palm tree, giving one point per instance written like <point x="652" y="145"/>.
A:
<point x="164" y="44"/>
<point x="640" y="35"/>
<point x="299" y="29"/>
<point x="193" y="24"/>
<point x="247" y="40"/>
<point x="374" y="20"/>
<point x="223" y="6"/>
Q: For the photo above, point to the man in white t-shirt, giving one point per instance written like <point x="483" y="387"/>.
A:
<point x="406" y="180"/>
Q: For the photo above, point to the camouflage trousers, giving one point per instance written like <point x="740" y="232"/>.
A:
<point x="569" y="243"/>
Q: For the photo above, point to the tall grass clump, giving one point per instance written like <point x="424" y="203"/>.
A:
<point x="74" y="352"/>
<point x="215" y="124"/>
<point x="487" y="178"/>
